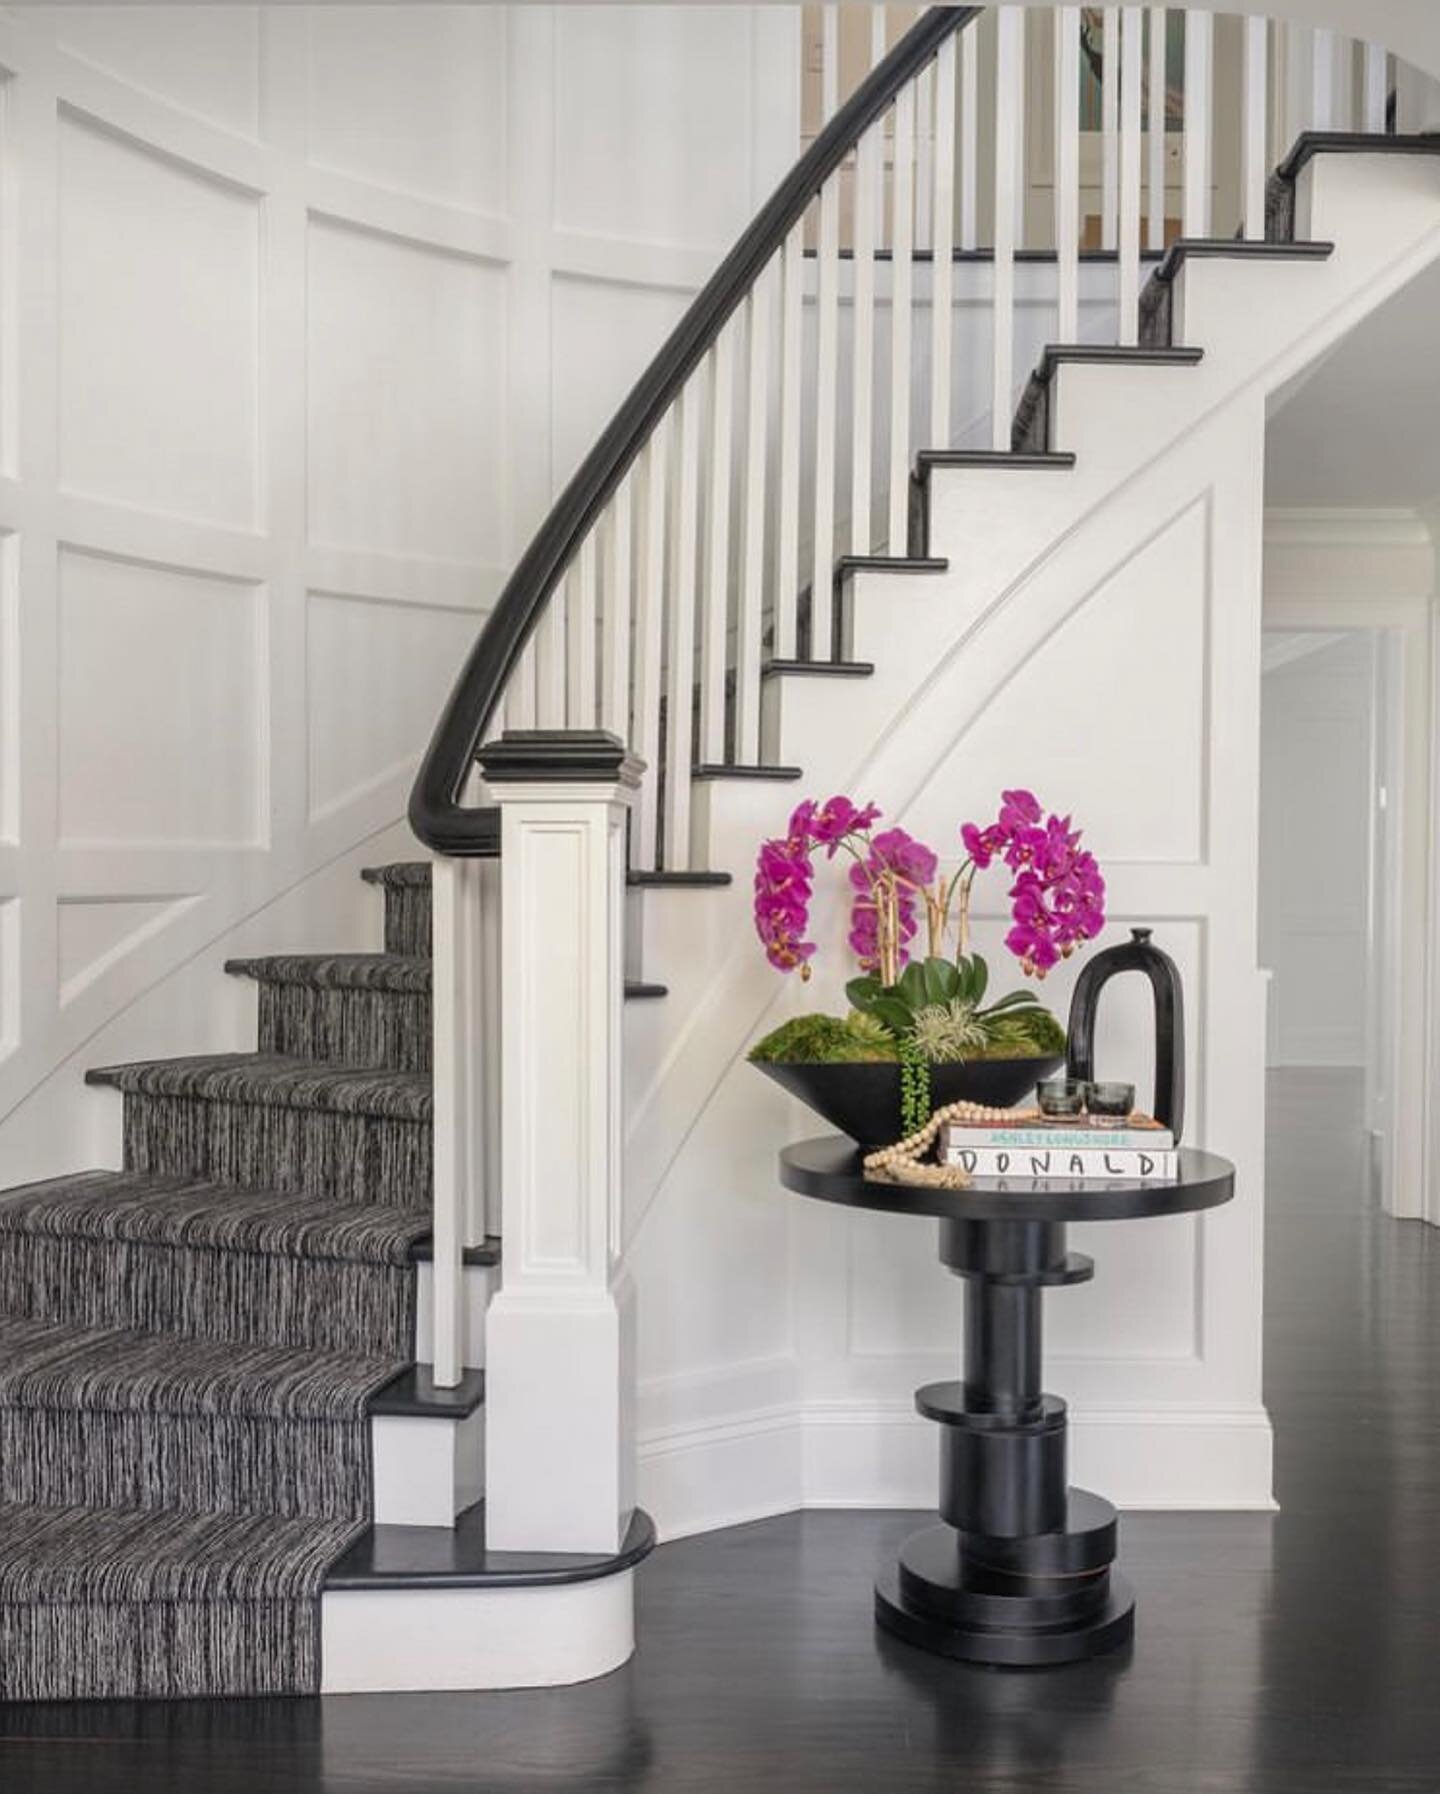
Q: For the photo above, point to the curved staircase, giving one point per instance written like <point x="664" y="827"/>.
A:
<point x="229" y="1459"/>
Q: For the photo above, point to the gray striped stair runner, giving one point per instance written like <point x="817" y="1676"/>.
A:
<point x="189" y="1346"/>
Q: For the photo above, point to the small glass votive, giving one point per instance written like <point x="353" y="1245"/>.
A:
<point x="1061" y="1096"/>
<point x="1110" y="1105"/>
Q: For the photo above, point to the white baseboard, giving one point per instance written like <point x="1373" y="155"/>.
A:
<point x="399" y="1640"/>
<point x="696" y="1479"/>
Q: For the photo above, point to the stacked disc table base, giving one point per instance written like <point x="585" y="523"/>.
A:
<point x="1019" y="1570"/>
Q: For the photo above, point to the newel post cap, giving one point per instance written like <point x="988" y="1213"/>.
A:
<point x="560" y="757"/>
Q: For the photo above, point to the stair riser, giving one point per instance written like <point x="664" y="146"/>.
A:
<point x="382" y="1029"/>
<point x="354" y="1158"/>
<point x="168" y="1650"/>
<point x="246" y="1298"/>
<point x="407" y="919"/>
<point x="203" y="1463"/>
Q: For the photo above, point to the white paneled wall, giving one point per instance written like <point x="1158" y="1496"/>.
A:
<point x="302" y="317"/>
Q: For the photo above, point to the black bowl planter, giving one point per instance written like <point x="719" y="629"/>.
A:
<point x="864" y="1100"/>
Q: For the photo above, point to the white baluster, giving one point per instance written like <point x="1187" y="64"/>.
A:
<point x="1376" y="88"/>
<point x="1109" y="128"/>
<point x="1322" y="80"/>
<point x="1157" y="128"/>
<point x="750" y="620"/>
<point x="615" y="671"/>
<point x="715" y="604"/>
<point x="924" y="155"/>
<point x="680" y="634"/>
<point x="550" y="663"/>
<point x="455" y="1020"/>
<point x="862" y="322"/>
<point x="649" y="620"/>
<point x="942" y="236"/>
<point x="1067" y="172"/>
<point x="1009" y="105"/>
<point x="520" y="691"/>
<point x="1128" y="286"/>
<point x="1255" y="160"/>
<point x="822" y="566"/>
<point x="969" y="136"/>
<point x="901" y="291"/>
<point x="1199" y="39"/>
<point x="787" y="534"/>
<point x="580" y="638"/>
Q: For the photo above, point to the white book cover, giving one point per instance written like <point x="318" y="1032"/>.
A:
<point x="1122" y="1164"/>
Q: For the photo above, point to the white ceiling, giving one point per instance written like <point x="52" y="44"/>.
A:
<point x="1363" y="429"/>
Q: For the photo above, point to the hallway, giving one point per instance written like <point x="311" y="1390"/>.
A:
<point x="1293" y="1655"/>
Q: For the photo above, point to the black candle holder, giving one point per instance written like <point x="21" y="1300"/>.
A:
<point x="1138" y="954"/>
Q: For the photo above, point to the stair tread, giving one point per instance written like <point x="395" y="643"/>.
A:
<point x="408" y="972"/>
<point x="276" y="1080"/>
<point x="52" y="1365"/>
<point x="398" y="872"/>
<point x="417" y="873"/>
<point x="53" y="1555"/>
<point x="458" y="1557"/>
<point x="174" y="1211"/>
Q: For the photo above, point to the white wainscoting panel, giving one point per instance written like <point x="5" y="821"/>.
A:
<point x="377" y="671"/>
<point x="203" y="59"/>
<point x="414" y="105"/>
<point x="159" y="670"/>
<point x="406" y="363"/>
<point x="659" y="84"/>
<point x="158" y="314"/>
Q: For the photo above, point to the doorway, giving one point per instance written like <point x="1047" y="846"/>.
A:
<point x="1331" y="873"/>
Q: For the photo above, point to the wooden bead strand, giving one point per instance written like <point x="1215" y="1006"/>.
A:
<point x="904" y="1162"/>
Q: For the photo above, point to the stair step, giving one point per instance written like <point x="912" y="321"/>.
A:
<point x="1056" y="460"/>
<point x="193" y="1257"/>
<point x="274" y="1080"/>
<point x="1030" y="431"/>
<point x="818" y="669"/>
<point x="850" y="564"/>
<point x="273" y="1122"/>
<point x="111" y="1605"/>
<point x="413" y="1394"/>
<point x="1157" y="301"/>
<point x="416" y="1557"/>
<point x="120" y="1418"/>
<point x="707" y="771"/>
<point x="415" y="874"/>
<point x="362" y="1010"/>
<point x="647" y="880"/>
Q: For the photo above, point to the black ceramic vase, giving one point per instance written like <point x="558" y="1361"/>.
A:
<point x="1138" y="954"/>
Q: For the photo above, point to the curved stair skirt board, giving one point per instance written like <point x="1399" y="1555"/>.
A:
<point x="409" y="1640"/>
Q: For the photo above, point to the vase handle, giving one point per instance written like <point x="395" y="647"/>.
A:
<point x="1138" y="954"/>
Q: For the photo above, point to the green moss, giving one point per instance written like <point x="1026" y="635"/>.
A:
<point x="822" y="1040"/>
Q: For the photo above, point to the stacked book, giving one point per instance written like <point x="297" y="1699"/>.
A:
<point x="1140" y="1150"/>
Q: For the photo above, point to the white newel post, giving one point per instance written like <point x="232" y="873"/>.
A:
<point x="559" y="1375"/>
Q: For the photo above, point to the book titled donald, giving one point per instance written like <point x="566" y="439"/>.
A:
<point x="1142" y="1151"/>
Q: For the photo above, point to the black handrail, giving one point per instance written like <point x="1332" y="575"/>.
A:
<point x="436" y="812"/>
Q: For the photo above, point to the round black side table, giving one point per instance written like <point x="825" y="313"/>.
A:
<point x="1019" y="1569"/>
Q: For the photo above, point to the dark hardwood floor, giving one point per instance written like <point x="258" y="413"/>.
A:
<point x="1294" y="1654"/>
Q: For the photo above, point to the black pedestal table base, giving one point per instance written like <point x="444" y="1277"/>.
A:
<point x="1019" y="1569"/>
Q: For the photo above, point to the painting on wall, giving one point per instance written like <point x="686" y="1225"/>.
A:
<point x="1093" y="50"/>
